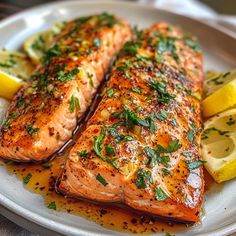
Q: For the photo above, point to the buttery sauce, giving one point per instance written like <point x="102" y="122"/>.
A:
<point x="42" y="181"/>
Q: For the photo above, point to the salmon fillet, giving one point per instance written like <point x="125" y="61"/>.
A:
<point x="44" y="113"/>
<point x="141" y="147"/>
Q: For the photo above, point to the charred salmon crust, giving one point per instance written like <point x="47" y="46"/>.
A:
<point x="142" y="144"/>
<point x="44" y="113"/>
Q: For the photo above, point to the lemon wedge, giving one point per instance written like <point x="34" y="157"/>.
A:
<point x="224" y="98"/>
<point x="219" y="146"/>
<point x="16" y="64"/>
<point x="9" y="85"/>
<point x="214" y="81"/>
<point x="36" y="45"/>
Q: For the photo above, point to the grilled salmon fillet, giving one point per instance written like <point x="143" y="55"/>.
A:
<point x="44" y="113"/>
<point x="141" y="147"/>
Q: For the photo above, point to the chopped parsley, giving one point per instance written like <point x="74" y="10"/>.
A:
<point x="165" y="171"/>
<point x="168" y="234"/>
<point x="110" y="92"/>
<point x="131" y="47"/>
<point x="74" y="103"/>
<point x="101" y="180"/>
<point x="98" y="142"/>
<point x="190" y="136"/>
<point x="106" y="20"/>
<point x="166" y="44"/>
<point x="131" y="119"/>
<point x="12" y="116"/>
<point x="162" y="115"/>
<point x="97" y="42"/>
<point x="50" y="53"/>
<point x="97" y="148"/>
<point x="46" y="165"/>
<point x="173" y="146"/>
<point x="160" y="194"/>
<point x="27" y="178"/>
<point x="174" y="122"/>
<point x="125" y="69"/>
<point x="160" y="87"/>
<point x="63" y="77"/>
<point x="19" y="102"/>
<point x="31" y="130"/>
<point x="90" y="76"/>
<point x="143" y="177"/>
<point x="136" y="90"/>
<point x="83" y="153"/>
<point x="119" y="137"/>
<point x="192" y="165"/>
<point x="39" y="44"/>
<point x="193" y="44"/>
<point x="156" y="156"/>
<point x="109" y="150"/>
<point x="52" y="206"/>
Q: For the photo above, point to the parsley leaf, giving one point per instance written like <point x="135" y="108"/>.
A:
<point x="27" y="178"/>
<point x="162" y="115"/>
<point x="109" y="150"/>
<point x="142" y="177"/>
<point x="136" y="90"/>
<point x="31" y="130"/>
<point x="160" y="194"/>
<point x="110" y="92"/>
<point x="52" y="206"/>
<point x="192" y="165"/>
<point x="83" y="153"/>
<point x="101" y="180"/>
<point x="74" y="103"/>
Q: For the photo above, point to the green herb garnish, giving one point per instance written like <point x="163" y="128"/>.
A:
<point x="160" y="87"/>
<point x="190" y="136"/>
<point x="195" y="164"/>
<point x="83" y="153"/>
<point x="162" y="115"/>
<point x="109" y="150"/>
<point x="31" y="130"/>
<point x="143" y="177"/>
<point x="74" y="103"/>
<point x="52" y="206"/>
<point x="46" y="165"/>
<point x="27" y="178"/>
<point x="110" y="92"/>
<point x="101" y="180"/>
<point x="160" y="194"/>
<point x="136" y="90"/>
<point x="63" y="77"/>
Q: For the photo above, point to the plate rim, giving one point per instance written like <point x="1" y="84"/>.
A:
<point x="58" y="226"/>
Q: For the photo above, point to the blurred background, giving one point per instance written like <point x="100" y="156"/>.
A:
<point x="226" y="7"/>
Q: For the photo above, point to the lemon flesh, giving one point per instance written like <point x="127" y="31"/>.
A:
<point x="224" y="98"/>
<point x="219" y="146"/>
<point x="214" y="81"/>
<point x="9" y="85"/>
<point x="16" y="64"/>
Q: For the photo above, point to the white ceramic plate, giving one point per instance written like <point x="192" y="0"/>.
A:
<point x="219" y="54"/>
